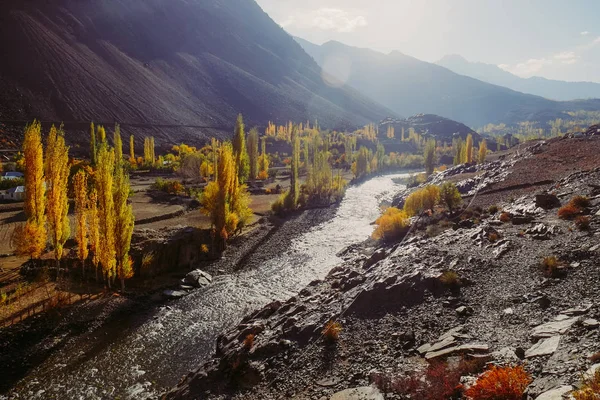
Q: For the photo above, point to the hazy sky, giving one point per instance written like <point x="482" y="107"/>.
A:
<point x="557" y="39"/>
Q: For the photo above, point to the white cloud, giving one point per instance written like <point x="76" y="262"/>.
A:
<point x="327" y="19"/>
<point x="567" y="57"/>
<point x="584" y="33"/>
<point x="527" y="68"/>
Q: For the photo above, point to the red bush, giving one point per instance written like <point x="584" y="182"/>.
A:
<point x="500" y="383"/>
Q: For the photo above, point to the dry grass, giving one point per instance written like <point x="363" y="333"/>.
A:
<point x="450" y="279"/>
<point x="493" y="237"/>
<point x="248" y="342"/>
<point x="590" y="389"/>
<point x="568" y="211"/>
<point x="332" y="331"/>
<point x="551" y="267"/>
<point x="580" y="202"/>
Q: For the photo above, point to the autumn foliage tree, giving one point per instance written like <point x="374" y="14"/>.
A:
<point x="253" y="152"/>
<point x="263" y="161"/>
<point x="422" y="200"/>
<point x="469" y="149"/>
<point x="94" y="225"/>
<point x="450" y="196"/>
<point x="482" y="152"/>
<point x="30" y="239"/>
<point x="123" y="218"/>
<point x="80" y="186"/>
<point x="93" y="149"/>
<point x="57" y="176"/>
<point x="104" y="180"/>
<point x="240" y="152"/>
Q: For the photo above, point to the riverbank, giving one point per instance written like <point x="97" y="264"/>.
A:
<point x="140" y="347"/>
<point x="477" y="290"/>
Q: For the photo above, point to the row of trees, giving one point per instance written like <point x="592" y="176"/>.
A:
<point x="464" y="151"/>
<point x="101" y="208"/>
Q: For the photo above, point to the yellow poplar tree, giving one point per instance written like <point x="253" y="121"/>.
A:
<point x="57" y="176"/>
<point x="31" y="238"/>
<point x="123" y="217"/>
<point x="94" y="229"/>
<point x="80" y="181"/>
<point x="132" y="149"/>
<point x="469" y="149"/>
<point x="482" y="151"/>
<point x="106" y="210"/>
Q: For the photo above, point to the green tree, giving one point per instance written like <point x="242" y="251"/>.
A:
<point x="429" y="156"/>
<point x="239" y="150"/>
<point x="294" y="182"/>
<point x="253" y="152"/>
<point x="450" y="196"/>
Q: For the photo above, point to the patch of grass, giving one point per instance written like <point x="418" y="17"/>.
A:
<point x="505" y="217"/>
<point x="332" y="331"/>
<point x="580" y="202"/>
<point x="583" y="223"/>
<point x="493" y="209"/>
<point x="500" y="383"/>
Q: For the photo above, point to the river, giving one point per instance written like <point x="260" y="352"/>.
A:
<point x="151" y="352"/>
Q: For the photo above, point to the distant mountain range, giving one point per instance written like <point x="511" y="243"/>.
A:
<point x="410" y="86"/>
<point x="551" y="89"/>
<point x="164" y="62"/>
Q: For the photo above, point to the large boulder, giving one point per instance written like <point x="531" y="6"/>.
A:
<point x="547" y="201"/>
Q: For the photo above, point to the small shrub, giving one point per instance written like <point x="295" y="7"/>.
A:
<point x="263" y="175"/>
<point x="168" y="186"/>
<point x="590" y="389"/>
<point x="450" y="196"/>
<point x="332" y="331"/>
<point x="278" y="206"/>
<point x="568" y="211"/>
<point x="493" y="209"/>
<point x="450" y="279"/>
<point x="582" y="223"/>
<point x="392" y="225"/>
<point x="551" y="267"/>
<point x="505" y="217"/>
<point x="500" y="383"/>
<point x="580" y="202"/>
<point x="204" y="248"/>
<point x="267" y="191"/>
<point x="248" y="342"/>
<point x="493" y="237"/>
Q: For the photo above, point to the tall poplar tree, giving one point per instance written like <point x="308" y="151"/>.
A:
<point x="294" y="183"/>
<point x="240" y="152"/>
<point x="469" y="149"/>
<point x="253" y="152"/>
<point x="31" y="238"/>
<point x="93" y="150"/>
<point x="123" y="217"/>
<point x="106" y="210"/>
<point x="57" y="176"/>
<point x="94" y="225"/>
<point x="482" y="151"/>
<point x="131" y="149"/>
<point x="80" y="188"/>
<point x="429" y="156"/>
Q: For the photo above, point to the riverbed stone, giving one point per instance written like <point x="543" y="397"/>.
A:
<point x="359" y="393"/>
<point x="174" y="294"/>
<point x="198" y="278"/>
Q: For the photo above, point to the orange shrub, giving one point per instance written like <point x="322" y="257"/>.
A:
<point x="500" y="383"/>
<point x="493" y="237"/>
<point x="262" y="175"/>
<point x="392" y="225"/>
<point x="569" y="211"/>
<point x="580" y="202"/>
<point x="505" y="217"/>
<point x="332" y="331"/>
<point x="248" y="342"/>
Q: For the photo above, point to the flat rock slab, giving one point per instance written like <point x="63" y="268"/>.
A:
<point x="446" y="342"/>
<point x="578" y="310"/>
<point x="465" y="348"/>
<point x="359" y="393"/>
<point x="556" y="393"/>
<point x="544" y="347"/>
<point x="174" y="294"/>
<point x="553" y="328"/>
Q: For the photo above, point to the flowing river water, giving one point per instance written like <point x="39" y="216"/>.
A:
<point x="153" y="351"/>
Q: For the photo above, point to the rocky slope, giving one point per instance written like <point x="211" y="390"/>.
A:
<point x="401" y="310"/>
<point x="174" y="69"/>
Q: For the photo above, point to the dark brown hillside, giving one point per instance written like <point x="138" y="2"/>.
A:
<point x="160" y="62"/>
